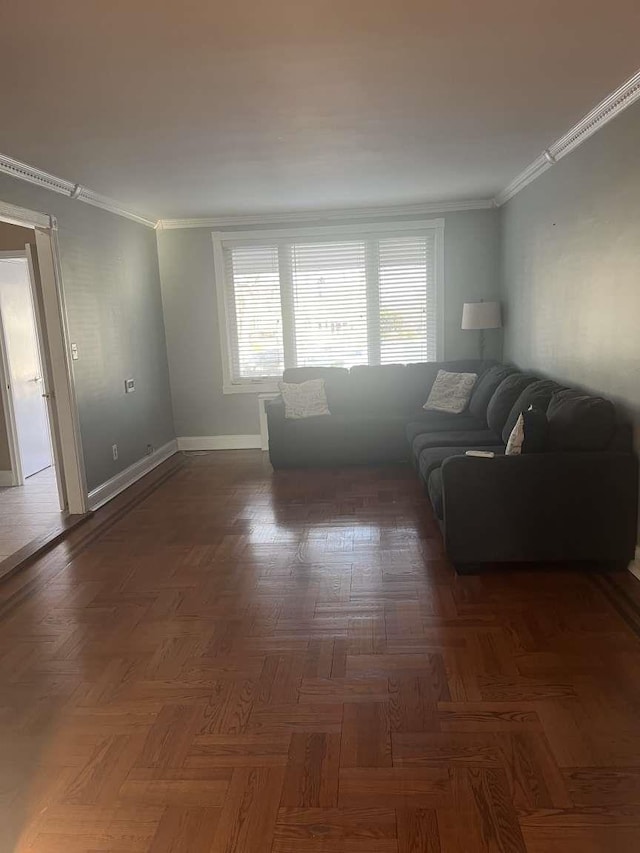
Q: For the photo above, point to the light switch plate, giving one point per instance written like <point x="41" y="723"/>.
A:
<point x="129" y="386"/>
<point x="74" y="352"/>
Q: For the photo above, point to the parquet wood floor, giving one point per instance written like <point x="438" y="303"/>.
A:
<point x="257" y="663"/>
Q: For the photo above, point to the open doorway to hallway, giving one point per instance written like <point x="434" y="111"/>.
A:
<point x="31" y="501"/>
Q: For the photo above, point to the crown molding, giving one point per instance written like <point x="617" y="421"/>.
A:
<point x="601" y="114"/>
<point x="348" y="214"/>
<point x="38" y="177"/>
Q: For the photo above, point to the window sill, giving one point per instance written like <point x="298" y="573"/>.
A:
<point x="251" y="388"/>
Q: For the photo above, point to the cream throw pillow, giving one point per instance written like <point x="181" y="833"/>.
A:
<point x="304" y="399"/>
<point x="450" y="392"/>
<point x="516" y="439"/>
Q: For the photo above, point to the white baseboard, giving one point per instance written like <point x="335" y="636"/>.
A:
<point x="634" y="565"/>
<point x="219" y="442"/>
<point x="101" y="494"/>
<point x="6" y="478"/>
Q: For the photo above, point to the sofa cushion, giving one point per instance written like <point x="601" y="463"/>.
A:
<point x="441" y="422"/>
<point x="379" y="388"/>
<point x="467" y="439"/>
<point x="485" y="389"/>
<point x="433" y="457"/>
<point x="580" y="422"/>
<point x="504" y="398"/>
<point x="340" y="440"/>
<point x="336" y="383"/>
<point x="538" y="395"/>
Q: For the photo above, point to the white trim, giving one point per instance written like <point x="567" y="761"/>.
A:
<point x="110" y="204"/>
<point x="320" y="216"/>
<point x="63" y="407"/>
<point x="440" y="288"/>
<point x="33" y="175"/>
<point x="219" y="442"/>
<point x="24" y="218"/>
<point x="6" y="479"/>
<point x="601" y="114"/>
<point x="104" y="493"/>
<point x="634" y="565"/>
<point x="263" y="399"/>
<point x="533" y="171"/>
<point x="257" y="386"/>
<point x="323" y="231"/>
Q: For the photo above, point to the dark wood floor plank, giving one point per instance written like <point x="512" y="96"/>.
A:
<point x="249" y="813"/>
<point x="418" y="831"/>
<point x="400" y="787"/>
<point x="181" y="829"/>
<point x="311" y="778"/>
<point x="366" y="735"/>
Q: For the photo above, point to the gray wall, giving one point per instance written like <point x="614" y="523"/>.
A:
<point x="571" y="266"/>
<point x="191" y="318"/>
<point x="114" y="306"/>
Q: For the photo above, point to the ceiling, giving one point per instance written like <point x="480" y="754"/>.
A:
<point x="201" y="108"/>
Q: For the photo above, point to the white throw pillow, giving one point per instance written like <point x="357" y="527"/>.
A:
<point x="304" y="399"/>
<point x="450" y="392"/>
<point x="516" y="439"/>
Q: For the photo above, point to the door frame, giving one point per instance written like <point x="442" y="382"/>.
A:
<point x="53" y="332"/>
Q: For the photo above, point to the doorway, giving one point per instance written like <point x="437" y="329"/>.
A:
<point x="42" y="482"/>
<point x="22" y="373"/>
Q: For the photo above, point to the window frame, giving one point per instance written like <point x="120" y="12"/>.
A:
<point x="435" y="227"/>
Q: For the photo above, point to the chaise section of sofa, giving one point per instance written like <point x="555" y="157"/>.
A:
<point x="577" y="501"/>
<point x="549" y="507"/>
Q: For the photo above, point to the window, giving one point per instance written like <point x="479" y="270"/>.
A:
<point x="326" y="296"/>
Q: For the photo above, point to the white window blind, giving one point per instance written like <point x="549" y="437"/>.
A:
<point x="255" y="315"/>
<point x="329" y="303"/>
<point x="339" y="299"/>
<point x="407" y="299"/>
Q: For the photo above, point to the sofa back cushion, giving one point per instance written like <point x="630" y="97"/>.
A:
<point x="336" y="383"/>
<point x="538" y="395"/>
<point x="486" y="387"/>
<point x="378" y="388"/>
<point x="382" y="388"/>
<point x="400" y="388"/>
<point x="504" y="398"/>
<point x="579" y="421"/>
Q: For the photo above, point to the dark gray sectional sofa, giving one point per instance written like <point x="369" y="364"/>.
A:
<point x="577" y="501"/>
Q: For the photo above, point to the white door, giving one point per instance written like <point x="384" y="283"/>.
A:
<point x="24" y="366"/>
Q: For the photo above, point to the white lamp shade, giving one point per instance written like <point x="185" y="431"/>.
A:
<point x="481" y="315"/>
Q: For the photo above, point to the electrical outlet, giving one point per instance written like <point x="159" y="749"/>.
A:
<point x="74" y="352"/>
<point x="149" y="449"/>
<point x="129" y="386"/>
<point x="114" y="450"/>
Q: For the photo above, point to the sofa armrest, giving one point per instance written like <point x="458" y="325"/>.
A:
<point x="275" y="407"/>
<point x="543" y="507"/>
